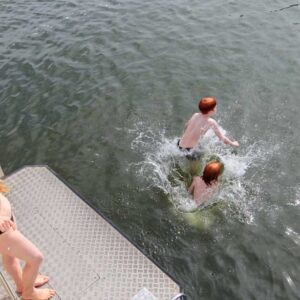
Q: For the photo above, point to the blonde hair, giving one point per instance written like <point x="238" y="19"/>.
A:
<point x="3" y="187"/>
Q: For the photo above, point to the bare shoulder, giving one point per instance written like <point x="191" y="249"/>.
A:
<point x="193" y="118"/>
<point x="198" y="180"/>
<point x="2" y="196"/>
<point x="212" y="122"/>
<point x="3" y="199"/>
<point x="195" y="115"/>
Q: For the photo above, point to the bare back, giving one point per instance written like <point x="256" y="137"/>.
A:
<point x="195" y="129"/>
<point x="200" y="191"/>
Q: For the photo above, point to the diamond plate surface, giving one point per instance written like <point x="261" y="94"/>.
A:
<point x="85" y="256"/>
<point x="3" y="294"/>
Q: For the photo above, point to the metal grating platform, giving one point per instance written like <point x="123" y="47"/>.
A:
<point x="85" y="256"/>
<point x="3" y="294"/>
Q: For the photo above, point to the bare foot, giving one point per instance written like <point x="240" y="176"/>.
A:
<point x="39" y="294"/>
<point x="40" y="280"/>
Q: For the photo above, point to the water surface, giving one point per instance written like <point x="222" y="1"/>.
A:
<point x="100" y="91"/>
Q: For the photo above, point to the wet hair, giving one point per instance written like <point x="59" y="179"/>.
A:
<point x="3" y="187"/>
<point x="212" y="171"/>
<point x="207" y="104"/>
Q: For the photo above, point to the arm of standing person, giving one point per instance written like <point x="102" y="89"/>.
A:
<point x="6" y="225"/>
<point x="220" y="135"/>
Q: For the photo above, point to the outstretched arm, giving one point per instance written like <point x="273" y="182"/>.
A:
<point x="221" y="136"/>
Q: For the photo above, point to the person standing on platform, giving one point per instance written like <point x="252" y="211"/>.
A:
<point x="14" y="246"/>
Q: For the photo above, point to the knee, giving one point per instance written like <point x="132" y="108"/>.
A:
<point x="37" y="258"/>
<point x="8" y="260"/>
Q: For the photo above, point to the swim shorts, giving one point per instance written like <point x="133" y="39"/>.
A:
<point x="190" y="153"/>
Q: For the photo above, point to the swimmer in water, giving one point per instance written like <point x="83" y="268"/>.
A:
<point x="14" y="246"/>
<point x="202" y="188"/>
<point x="198" y="125"/>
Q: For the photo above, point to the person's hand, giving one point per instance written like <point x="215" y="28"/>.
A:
<point x="235" y="144"/>
<point x="7" y="224"/>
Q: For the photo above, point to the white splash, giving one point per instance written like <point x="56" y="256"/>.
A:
<point x="293" y="235"/>
<point x="290" y="282"/>
<point x="162" y="158"/>
<point x="296" y="202"/>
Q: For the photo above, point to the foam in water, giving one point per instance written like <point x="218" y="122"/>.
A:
<point x="293" y="235"/>
<point x="164" y="164"/>
<point x="296" y="202"/>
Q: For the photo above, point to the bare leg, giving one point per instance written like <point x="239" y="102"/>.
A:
<point x="14" y="244"/>
<point x="13" y="268"/>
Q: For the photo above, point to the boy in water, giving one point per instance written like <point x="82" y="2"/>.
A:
<point x="202" y="188"/>
<point x="198" y="125"/>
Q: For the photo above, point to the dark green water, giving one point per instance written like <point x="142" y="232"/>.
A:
<point x="100" y="90"/>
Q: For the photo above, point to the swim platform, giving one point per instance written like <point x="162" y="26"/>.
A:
<point x="86" y="256"/>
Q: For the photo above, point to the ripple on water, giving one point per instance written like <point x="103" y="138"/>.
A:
<point x="71" y="72"/>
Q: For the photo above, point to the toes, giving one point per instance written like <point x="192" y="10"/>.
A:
<point x="52" y="293"/>
<point x="41" y="280"/>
